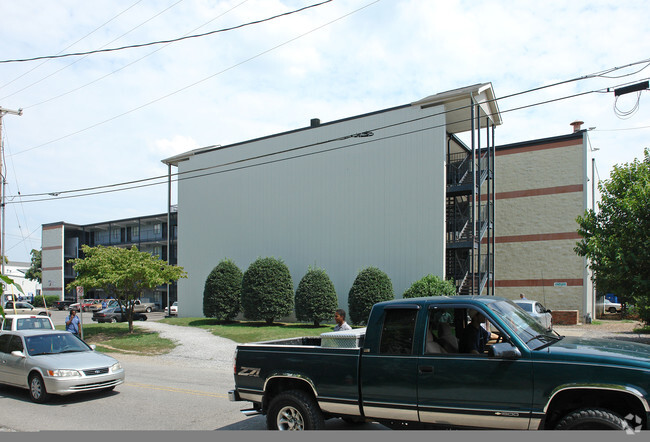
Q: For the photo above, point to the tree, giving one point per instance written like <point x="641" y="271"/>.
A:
<point x="370" y="287"/>
<point x="316" y="299"/>
<point x="430" y="285"/>
<point x="123" y="273"/>
<point x="267" y="290"/>
<point x="616" y="239"/>
<point x="222" y="292"/>
<point x="34" y="273"/>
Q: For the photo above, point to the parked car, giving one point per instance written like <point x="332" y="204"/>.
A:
<point x="115" y="314"/>
<point x="26" y="322"/>
<point x="62" y="305"/>
<point x="537" y="311"/>
<point x="25" y="308"/>
<point x="174" y="309"/>
<point x="611" y="307"/>
<point x="48" y="362"/>
<point x="141" y="307"/>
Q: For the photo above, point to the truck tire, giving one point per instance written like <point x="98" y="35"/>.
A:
<point x="294" y="411"/>
<point x="591" y="419"/>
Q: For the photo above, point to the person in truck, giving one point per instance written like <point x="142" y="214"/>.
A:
<point x="339" y="318"/>
<point x="475" y="338"/>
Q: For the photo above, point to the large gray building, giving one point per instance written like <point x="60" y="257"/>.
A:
<point x="370" y="190"/>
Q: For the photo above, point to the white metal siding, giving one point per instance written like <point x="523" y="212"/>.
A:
<point x="379" y="202"/>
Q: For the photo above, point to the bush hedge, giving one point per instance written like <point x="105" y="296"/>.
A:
<point x="370" y="286"/>
<point x="222" y="291"/>
<point x="316" y="299"/>
<point x="267" y="290"/>
<point x="430" y="285"/>
<point x="49" y="299"/>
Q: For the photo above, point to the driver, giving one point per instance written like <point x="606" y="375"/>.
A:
<point x="475" y="338"/>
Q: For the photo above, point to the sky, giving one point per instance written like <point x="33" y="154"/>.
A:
<point x="111" y="117"/>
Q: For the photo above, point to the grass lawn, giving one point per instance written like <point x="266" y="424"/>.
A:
<point x="116" y="338"/>
<point x="245" y="331"/>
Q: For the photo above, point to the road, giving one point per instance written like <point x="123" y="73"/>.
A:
<point x="159" y="394"/>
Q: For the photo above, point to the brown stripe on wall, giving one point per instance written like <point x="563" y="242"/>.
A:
<point x="53" y="248"/>
<point x="537" y="282"/>
<point x="537" y="192"/>
<point x="538" y="147"/>
<point x="535" y="237"/>
<point x="52" y="268"/>
<point x="52" y="289"/>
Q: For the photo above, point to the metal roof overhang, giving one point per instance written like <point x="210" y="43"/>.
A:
<point x="458" y="106"/>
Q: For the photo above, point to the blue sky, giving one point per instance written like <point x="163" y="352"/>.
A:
<point x="112" y="117"/>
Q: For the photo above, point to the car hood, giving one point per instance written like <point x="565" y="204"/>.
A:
<point x="601" y="350"/>
<point x="77" y="360"/>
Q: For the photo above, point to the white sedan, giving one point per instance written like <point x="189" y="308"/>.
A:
<point x="48" y="362"/>
<point x="536" y="310"/>
<point x="174" y="309"/>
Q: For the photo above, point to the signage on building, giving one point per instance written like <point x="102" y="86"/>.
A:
<point x="559" y="284"/>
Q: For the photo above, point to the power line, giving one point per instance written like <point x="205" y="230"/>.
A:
<point x="97" y="51"/>
<point x="135" y="184"/>
<point x="195" y="83"/>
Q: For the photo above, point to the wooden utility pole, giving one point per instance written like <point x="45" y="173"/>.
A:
<point x="4" y="112"/>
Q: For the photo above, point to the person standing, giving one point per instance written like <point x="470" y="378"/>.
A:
<point x="522" y="296"/>
<point x="339" y="317"/>
<point x="72" y="323"/>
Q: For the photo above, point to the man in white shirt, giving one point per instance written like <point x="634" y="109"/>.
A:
<point x="339" y="317"/>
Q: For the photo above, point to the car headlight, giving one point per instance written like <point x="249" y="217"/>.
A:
<point x="63" y="373"/>
<point x="115" y="367"/>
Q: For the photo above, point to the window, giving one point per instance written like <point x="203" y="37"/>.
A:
<point x="4" y="343"/>
<point x="157" y="229"/>
<point x="7" y="324"/>
<point x="135" y="231"/>
<point x="441" y="332"/>
<point x="397" y="331"/>
<point x="115" y="234"/>
<point x="15" y="344"/>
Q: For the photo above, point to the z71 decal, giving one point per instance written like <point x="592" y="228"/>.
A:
<point x="249" y="371"/>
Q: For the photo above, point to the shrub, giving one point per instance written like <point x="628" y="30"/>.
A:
<point x="222" y="292"/>
<point x="267" y="290"/>
<point x="49" y="299"/>
<point x="430" y="285"/>
<point x="316" y="299"/>
<point x="370" y="286"/>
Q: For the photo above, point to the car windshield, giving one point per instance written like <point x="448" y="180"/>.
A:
<point x="54" y="344"/>
<point x="531" y="331"/>
<point x="33" y="323"/>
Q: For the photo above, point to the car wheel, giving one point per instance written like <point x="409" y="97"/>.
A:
<point x="591" y="419"/>
<point x="294" y="411"/>
<point x="113" y="320"/>
<point x="37" y="390"/>
<point x="612" y="310"/>
<point x="148" y="309"/>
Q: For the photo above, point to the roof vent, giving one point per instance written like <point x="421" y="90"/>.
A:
<point x="315" y="122"/>
<point x="576" y="125"/>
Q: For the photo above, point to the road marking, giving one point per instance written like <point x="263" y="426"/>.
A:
<point x="176" y="390"/>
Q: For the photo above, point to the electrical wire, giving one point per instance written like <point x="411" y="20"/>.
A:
<point x="196" y="82"/>
<point x="174" y="40"/>
<point x="68" y="47"/>
<point x="131" y="63"/>
<point x="84" y="57"/>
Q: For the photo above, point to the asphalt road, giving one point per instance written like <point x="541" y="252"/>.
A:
<point x="160" y="393"/>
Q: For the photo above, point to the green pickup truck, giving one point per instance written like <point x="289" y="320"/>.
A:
<point x="447" y="362"/>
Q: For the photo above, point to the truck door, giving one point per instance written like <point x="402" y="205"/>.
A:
<point x="389" y="367"/>
<point x="472" y="390"/>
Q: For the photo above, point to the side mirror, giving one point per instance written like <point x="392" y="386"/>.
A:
<point x="93" y="346"/>
<point x="18" y="354"/>
<point x="504" y="350"/>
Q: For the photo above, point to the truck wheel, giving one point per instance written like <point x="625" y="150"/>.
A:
<point x="612" y="310"/>
<point x="294" y="411"/>
<point x="37" y="390"/>
<point x="148" y="309"/>
<point x="591" y="419"/>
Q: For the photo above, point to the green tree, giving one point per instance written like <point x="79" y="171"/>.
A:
<point x="267" y="290"/>
<point x="222" y="292"/>
<point x="316" y="299"/>
<point x="370" y="287"/>
<point x="123" y="273"/>
<point x="616" y="238"/>
<point x="430" y="285"/>
<point x="34" y="273"/>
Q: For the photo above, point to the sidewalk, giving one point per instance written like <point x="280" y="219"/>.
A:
<point x="609" y="329"/>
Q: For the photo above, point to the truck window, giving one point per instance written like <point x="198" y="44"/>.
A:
<point x="7" y="324"/>
<point x="397" y="332"/>
<point x="441" y="332"/>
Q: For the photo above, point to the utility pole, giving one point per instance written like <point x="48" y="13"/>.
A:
<point x="4" y="112"/>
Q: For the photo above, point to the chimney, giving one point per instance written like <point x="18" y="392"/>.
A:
<point x="576" y="125"/>
<point x="315" y="122"/>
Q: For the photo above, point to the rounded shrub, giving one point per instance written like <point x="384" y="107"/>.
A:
<point x="222" y="292"/>
<point x="430" y="285"/>
<point x="267" y="290"/>
<point x="316" y="299"/>
<point x="370" y="286"/>
<point x="49" y="299"/>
